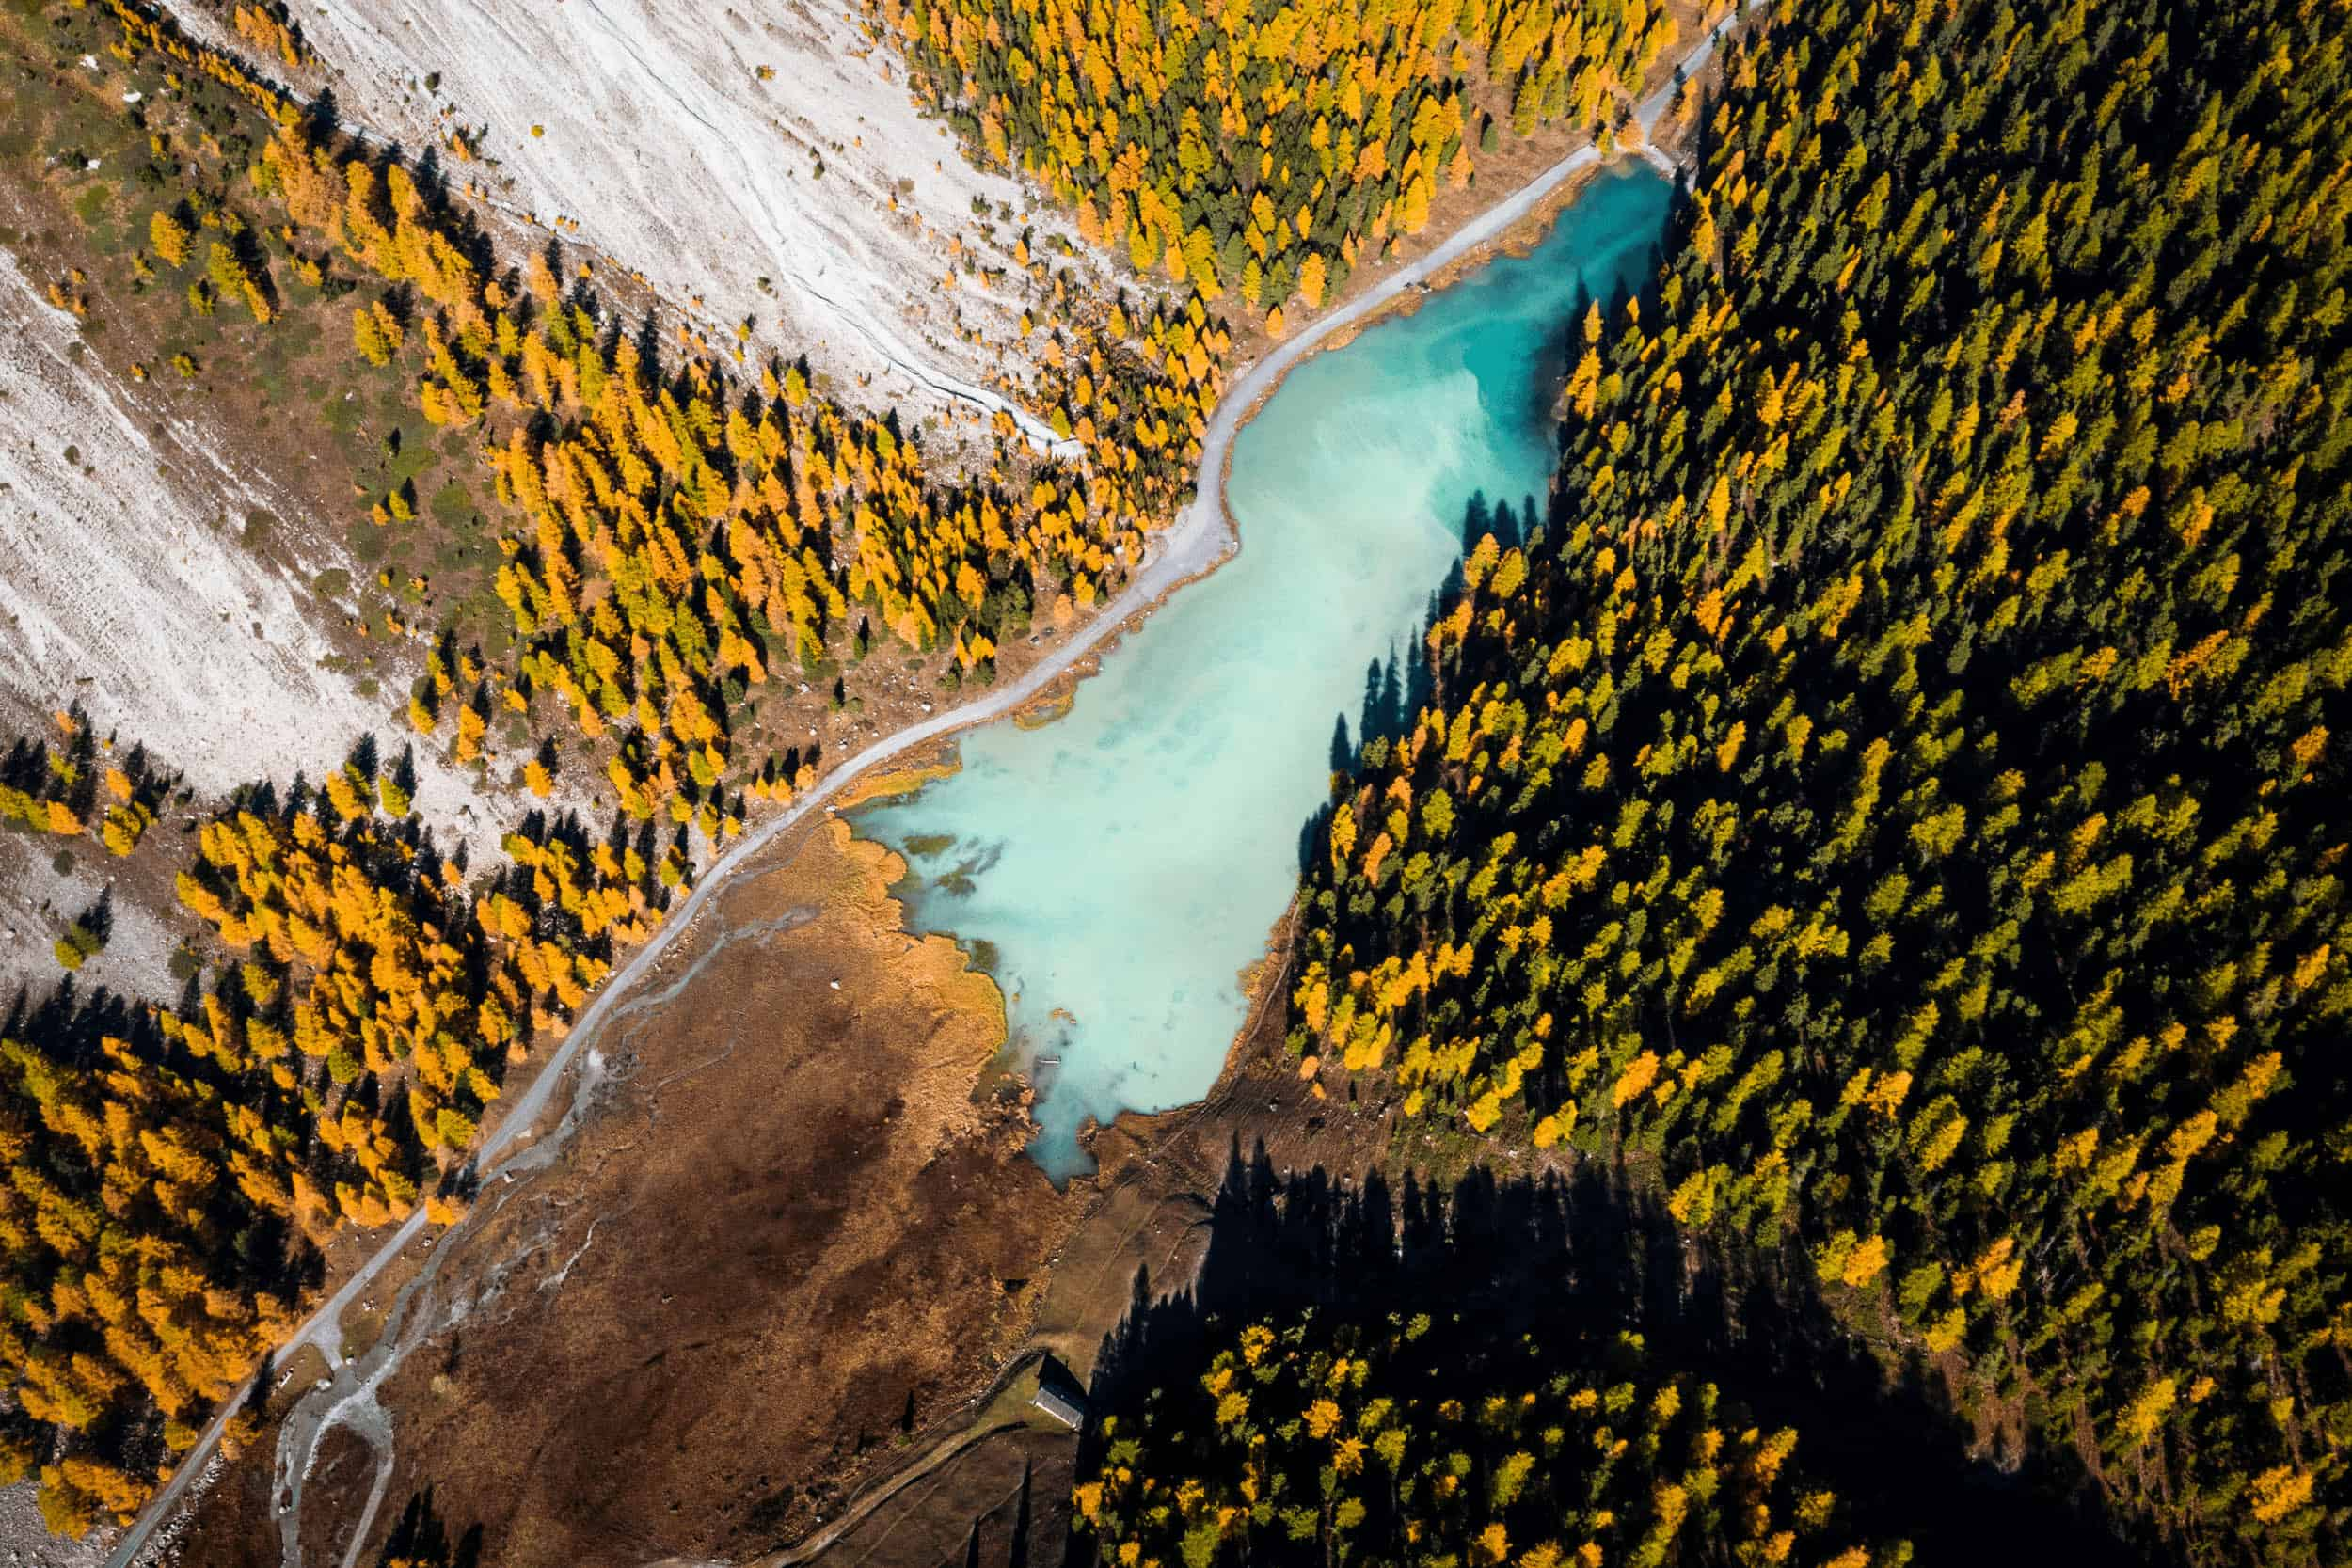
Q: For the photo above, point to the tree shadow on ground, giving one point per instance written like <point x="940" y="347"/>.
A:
<point x="420" y="1540"/>
<point x="1562" y="1258"/>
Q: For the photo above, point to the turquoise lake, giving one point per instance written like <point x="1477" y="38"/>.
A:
<point x="1123" y="865"/>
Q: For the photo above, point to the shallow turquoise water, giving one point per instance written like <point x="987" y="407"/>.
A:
<point x="1126" y="863"/>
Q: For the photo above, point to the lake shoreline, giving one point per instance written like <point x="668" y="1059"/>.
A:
<point x="1204" y="536"/>
<point x="1143" y="901"/>
<point x="1557" y="190"/>
<point x="1518" y="238"/>
<point x="1513" y="241"/>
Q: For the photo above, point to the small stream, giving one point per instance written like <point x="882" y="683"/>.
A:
<point x="1119" y="868"/>
<point x="427" y="1307"/>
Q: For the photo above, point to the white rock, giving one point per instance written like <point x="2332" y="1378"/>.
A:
<point x="660" y="133"/>
<point x="120" y="569"/>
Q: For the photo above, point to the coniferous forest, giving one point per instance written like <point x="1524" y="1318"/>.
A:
<point x="1267" y="149"/>
<point x="1894" y="801"/>
<point x="1883" y="820"/>
<point x="1407" y="1440"/>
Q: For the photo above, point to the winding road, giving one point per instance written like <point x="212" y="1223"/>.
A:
<point x="1198" y="539"/>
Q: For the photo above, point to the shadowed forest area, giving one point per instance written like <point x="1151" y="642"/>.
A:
<point x="1568" y="1263"/>
<point x="1862" y="864"/>
<point x="1890" y="801"/>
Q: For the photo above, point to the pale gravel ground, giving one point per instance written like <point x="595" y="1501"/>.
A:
<point x="1202" y="537"/>
<point x="125" y="587"/>
<point x="25" y="1544"/>
<point x="679" y="162"/>
<point x="37" y="904"/>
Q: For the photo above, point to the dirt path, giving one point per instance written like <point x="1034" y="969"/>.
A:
<point x="1201" y="539"/>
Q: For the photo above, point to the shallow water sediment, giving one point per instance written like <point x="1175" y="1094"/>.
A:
<point x="1125" y="863"/>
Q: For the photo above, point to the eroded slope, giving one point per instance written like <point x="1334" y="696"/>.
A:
<point x="768" y="167"/>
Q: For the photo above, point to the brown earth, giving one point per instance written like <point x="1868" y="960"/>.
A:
<point x="1148" y="1213"/>
<point x="230" y="1525"/>
<point x="972" y="1508"/>
<point x="817" y="1267"/>
<point x="790" y="1246"/>
<point x="813" y="1251"/>
<point x="341" y="1479"/>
